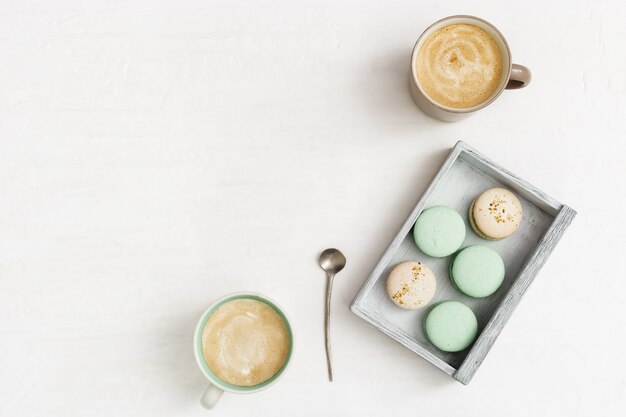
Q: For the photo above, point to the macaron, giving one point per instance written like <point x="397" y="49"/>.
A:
<point x="451" y="326"/>
<point x="439" y="231"/>
<point x="496" y="214"/>
<point x="477" y="271"/>
<point x="411" y="285"/>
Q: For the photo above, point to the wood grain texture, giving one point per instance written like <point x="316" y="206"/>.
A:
<point x="464" y="175"/>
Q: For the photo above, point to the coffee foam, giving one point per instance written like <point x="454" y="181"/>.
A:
<point x="245" y="342"/>
<point x="459" y="66"/>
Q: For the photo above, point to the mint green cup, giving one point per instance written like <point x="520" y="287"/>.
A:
<point x="216" y="387"/>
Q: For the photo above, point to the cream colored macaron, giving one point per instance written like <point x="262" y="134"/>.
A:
<point x="411" y="285"/>
<point x="496" y="214"/>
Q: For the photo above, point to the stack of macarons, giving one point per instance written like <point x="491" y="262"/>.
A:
<point x="476" y="271"/>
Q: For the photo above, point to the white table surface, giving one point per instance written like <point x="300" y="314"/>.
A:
<point x="156" y="155"/>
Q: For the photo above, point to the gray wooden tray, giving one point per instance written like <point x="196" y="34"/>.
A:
<point x="464" y="175"/>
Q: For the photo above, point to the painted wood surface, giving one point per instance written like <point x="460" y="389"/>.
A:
<point x="463" y="176"/>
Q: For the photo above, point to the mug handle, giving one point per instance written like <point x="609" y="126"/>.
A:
<point x="211" y="396"/>
<point x="519" y="78"/>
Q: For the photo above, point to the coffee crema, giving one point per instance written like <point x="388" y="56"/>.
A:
<point x="459" y="66"/>
<point x="245" y="342"/>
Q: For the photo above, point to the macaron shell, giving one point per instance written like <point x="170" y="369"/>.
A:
<point x="411" y="285"/>
<point x="477" y="271"/>
<point x="496" y="213"/>
<point x="451" y="326"/>
<point x="439" y="231"/>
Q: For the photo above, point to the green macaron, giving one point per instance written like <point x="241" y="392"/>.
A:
<point x="451" y="326"/>
<point x="477" y="271"/>
<point x="439" y="231"/>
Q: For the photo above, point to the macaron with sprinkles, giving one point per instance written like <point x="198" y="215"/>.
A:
<point x="411" y="285"/>
<point x="496" y="214"/>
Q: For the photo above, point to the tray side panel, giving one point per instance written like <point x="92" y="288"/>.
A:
<point x="488" y="336"/>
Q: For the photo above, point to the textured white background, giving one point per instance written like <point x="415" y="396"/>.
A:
<point x="156" y="155"/>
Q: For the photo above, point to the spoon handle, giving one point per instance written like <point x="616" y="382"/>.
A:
<point x="329" y="289"/>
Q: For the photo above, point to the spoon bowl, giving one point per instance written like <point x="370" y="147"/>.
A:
<point x="332" y="260"/>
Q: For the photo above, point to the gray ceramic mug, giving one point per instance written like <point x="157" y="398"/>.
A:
<point x="514" y="76"/>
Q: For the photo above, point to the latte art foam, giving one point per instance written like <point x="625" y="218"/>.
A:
<point x="459" y="66"/>
<point x="245" y="342"/>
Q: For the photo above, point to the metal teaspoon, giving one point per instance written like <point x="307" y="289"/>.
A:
<point x="332" y="261"/>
